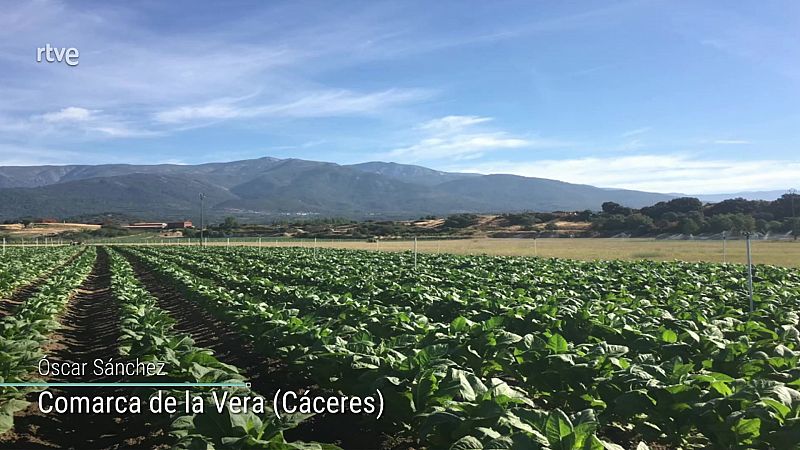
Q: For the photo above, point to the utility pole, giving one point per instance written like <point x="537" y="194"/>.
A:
<point x="724" y="242"/>
<point x="415" y="253"/>
<point x="749" y="271"/>
<point x="202" y="218"/>
<point x="792" y="195"/>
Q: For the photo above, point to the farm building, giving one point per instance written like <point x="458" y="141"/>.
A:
<point x="159" y="225"/>
<point x="176" y="225"/>
<point x="146" y="226"/>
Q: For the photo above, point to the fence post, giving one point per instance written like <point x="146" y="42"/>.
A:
<point x="415" y="253"/>
<point x="4" y="246"/>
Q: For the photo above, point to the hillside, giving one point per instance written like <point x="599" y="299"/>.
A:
<point x="268" y="188"/>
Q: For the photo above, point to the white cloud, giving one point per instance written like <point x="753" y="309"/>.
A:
<point x="462" y="146"/>
<point x="656" y="173"/>
<point x="121" y="130"/>
<point x="68" y="114"/>
<point x="76" y="122"/>
<point x="636" y="132"/>
<point x="451" y="123"/>
<point x="159" y="81"/>
<point x="731" y="142"/>
<point x="458" y="137"/>
<point x="323" y="103"/>
<point x="339" y="102"/>
<point x="204" y="112"/>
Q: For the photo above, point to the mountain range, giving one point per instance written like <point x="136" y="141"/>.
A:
<point x="269" y="188"/>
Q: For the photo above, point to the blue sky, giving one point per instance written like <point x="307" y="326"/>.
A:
<point x="669" y="96"/>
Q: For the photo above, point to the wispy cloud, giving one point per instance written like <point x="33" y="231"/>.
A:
<point x="731" y="142"/>
<point x="636" y="132"/>
<point x="156" y="81"/>
<point x="69" y="114"/>
<point x="656" y="173"/>
<point x="73" y="121"/>
<point x="461" y="138"/>
<point x="453" y="123"/>
<point x="327" y="103"/>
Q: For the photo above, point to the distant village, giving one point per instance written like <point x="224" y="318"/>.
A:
<point x="49" y="227"/>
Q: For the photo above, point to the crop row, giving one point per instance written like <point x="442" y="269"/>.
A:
<point x="24" y="334"/>
<point x="148" y="334"/>
<point x="20" y="266"/>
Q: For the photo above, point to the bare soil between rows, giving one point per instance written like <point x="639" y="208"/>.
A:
<point x="89" y="330"/>
<point x="264" y="374"/>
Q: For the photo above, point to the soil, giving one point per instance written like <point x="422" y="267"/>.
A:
<point x="89" y="330"/>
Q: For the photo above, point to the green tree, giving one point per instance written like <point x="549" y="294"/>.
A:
<point x="229" y="223"/>
<point x="743" y="222"/>
<point x="787" y="206"/>
<point x="720" y="223"/>
<point x="615" y="208"/>
<point x="795" y="227"/>
<point x="639" y="223"/>
<point x="460" y="220"/>
<point x="688" y="226"/>
<point x="670" y="216"/>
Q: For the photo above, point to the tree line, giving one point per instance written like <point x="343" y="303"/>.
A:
<point x="688" y="215"/>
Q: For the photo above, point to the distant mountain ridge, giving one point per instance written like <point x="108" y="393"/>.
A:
<point x="269" y="188"/>
<point x="752" y="195"/>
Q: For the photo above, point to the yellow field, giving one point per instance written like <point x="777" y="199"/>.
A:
<point x="782" y="253"/>
<point x="35" y="230"/>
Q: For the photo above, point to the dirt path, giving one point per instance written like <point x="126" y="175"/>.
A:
<point x="265" y="375"/>
<point x="89" y="331"/>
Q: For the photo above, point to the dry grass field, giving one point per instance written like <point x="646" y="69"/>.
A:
<point x="782" y="253"/>
<point x="35" y="230"/>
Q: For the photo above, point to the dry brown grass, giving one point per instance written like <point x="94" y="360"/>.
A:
<point x="43" y="229"/>
<point x="781" y="253"/>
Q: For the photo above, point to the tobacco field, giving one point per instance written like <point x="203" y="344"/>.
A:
<point x="468" y="352"/>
